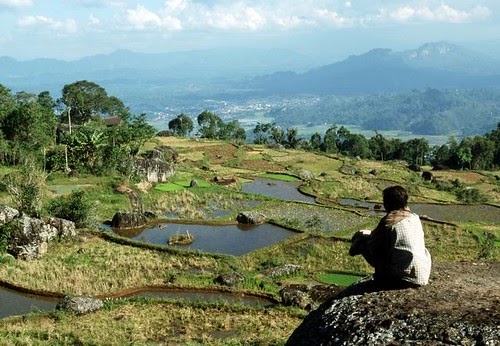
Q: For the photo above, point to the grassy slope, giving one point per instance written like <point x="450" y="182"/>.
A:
<point x="102" y="266"/>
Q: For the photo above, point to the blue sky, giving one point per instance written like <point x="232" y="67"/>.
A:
<point x="71" y="29"/>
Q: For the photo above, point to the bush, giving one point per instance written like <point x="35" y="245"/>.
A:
<point x="5" y="233"/>
<point x="75" y="207"/>
<point x="470" y="196"/>
<point x="26" y="188"/>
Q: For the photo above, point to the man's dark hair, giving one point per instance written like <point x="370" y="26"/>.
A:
<point x="395" y="197"/>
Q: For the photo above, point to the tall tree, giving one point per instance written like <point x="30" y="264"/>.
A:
<point x="292" y="139"/>
<point x="415" y="150"/>
<point x="232" y="131"/>
<point x="181" y="125"/>
<point x="86" y="100"/>
<point x="29" y="123"/>
<point x="330" y="143"/>
<point x="210" y="125"/>
<point x="315" y="141"/>
<point x="7" y="102"/>
<point x="261" y="133"/>
<point x="483" y="153"/>
<point x="277" y="134"/>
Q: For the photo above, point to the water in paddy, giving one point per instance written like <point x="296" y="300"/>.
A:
<point x="14" y="303"/>
<point x="442" y="212"/>
<point x="228" y="239"/>
<point x="278" y="189"/>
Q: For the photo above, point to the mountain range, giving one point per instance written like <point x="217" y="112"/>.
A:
<point x="433" y="65"/>
<point x="239" y="72"/>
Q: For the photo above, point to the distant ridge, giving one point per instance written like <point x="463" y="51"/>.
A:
<point x="436" y="65"/>
<point x="143" y="78"/>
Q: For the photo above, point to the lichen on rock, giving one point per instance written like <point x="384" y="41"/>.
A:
<point x="459" y="307"/>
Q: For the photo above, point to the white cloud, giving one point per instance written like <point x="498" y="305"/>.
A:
<point x="234" y="18"/>
<point x="67" y="26"/>
<point x="16" y="3"/>
<point x="443" y="13"/>
<point x="140" y="17"/>
<point x="93" y="20"/>
<point x="331" y="17"/>
<point x="246" y="15"/>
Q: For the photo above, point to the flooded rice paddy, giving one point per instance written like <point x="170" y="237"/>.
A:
<point x="228" y="239"/>
<point x="14" y="303"/>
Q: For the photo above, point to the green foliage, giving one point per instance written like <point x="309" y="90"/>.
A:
<point x="212" y="127"/>
<point x="470" y="195"/>
<point x="76" y="207"/>
<point x="86" y="100"/>
<point x="5" y="234"/>
<point x="487" y="244"/>
<point x="25" y="188"/>
<point x="182" y="125"/>
<point x="421" y="112"/>
<point x="261" y="133"/>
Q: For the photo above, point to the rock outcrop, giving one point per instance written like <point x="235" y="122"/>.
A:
<point x="307" y="296"/>
<point x="229" y="279"/>
<point x="306" y="175"/>
<point x="80" y="305"/>
<point x="7" y="214"/>
<point x="28" y="237"/>
<point x="283" y="270"/>
<point x="459" y="307"/>
<point x="156" y="165"/>
<point x="124" y="220"/>
<point x="251" y="218"/>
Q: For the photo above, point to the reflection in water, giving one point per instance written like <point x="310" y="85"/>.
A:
<point x="278" y="189"/>
<point x="14" y="303"/>
<point x="229" y="239"/>
<point x="442" y="212"/>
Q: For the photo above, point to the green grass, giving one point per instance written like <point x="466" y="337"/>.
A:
<point x="179" y="185"/>
<point x="284" y="177"/>
<point x="338" y="279"/>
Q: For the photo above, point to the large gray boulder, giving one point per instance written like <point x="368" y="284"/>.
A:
<point x="29" y="238"/>
<point x="458" y="307"/>
<point x="293" y="296"/>
<point x="65" y="228"/>
<point x="306" y="175"/>
<point x="80" y="305"/>
<point x="124" y="220"/>
<point x="251" y="218"/>
<point x="156" y="165"/>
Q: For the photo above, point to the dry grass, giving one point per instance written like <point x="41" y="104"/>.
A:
<point x="98" y="267"/>
<point x="148" y="323"/>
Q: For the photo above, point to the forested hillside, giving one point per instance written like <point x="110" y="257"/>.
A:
<point x="422" y="112"/>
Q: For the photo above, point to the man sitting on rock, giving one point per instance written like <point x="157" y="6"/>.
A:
<point x="395" y="248"/>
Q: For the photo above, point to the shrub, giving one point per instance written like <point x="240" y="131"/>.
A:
<point x="25" y="188"/>
<point x="470" y="195"/>
<point x="5" y="233"/>
<point x="75" y="207"/>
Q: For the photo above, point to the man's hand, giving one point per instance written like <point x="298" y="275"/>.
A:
<point x="358" y="241"/>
